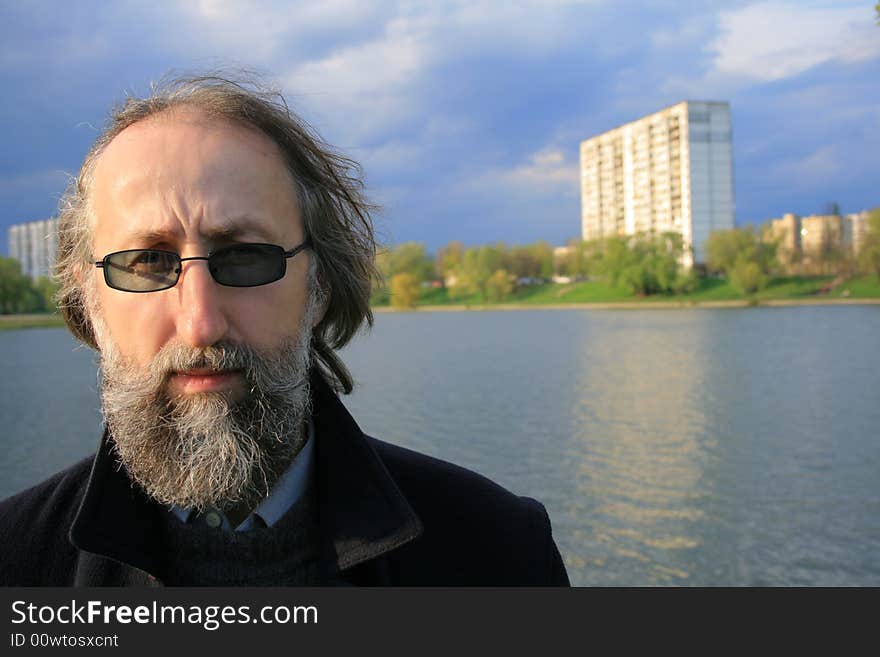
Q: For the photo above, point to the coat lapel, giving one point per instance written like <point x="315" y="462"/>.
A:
<point x="361" y="511"/>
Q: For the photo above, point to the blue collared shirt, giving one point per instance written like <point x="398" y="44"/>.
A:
<point x="287" y="491"/>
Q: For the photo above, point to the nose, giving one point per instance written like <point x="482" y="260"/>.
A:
<point x="201" y="318"/>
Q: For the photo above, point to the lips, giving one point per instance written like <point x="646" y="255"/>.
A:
<point x="204" y="380"/>
<point x="204" y="371"/>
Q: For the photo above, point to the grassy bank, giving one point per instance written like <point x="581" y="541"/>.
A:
<point x="863" y="287"/>
<point x="710" y="291"/>
<point x="10" y="322"/>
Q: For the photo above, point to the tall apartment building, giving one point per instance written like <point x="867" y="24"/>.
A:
<point x="34" y="245"/>
<point x="669" y="171"/>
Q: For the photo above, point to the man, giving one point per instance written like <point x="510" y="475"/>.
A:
<point x="215" y="253"/>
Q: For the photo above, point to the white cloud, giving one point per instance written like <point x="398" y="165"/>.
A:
<point x="267" y="31"/>
<point x="383" y="64"/>
<point x="546" y="173"/>
<point x="771" y="41"/>
<point x="362" y="89"/>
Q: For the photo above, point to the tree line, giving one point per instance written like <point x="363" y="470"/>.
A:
<point x="19" y="294"/>
<point x="643" y="264"/>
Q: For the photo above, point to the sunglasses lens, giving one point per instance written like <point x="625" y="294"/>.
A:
<point x="141" y="271"/>
<point x="248" y="265"/>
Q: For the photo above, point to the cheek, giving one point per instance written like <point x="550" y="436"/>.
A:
<point x="268" y="315"/>
<point x="136" y="325"/>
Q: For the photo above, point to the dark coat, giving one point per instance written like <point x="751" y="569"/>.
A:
<point x="386" y="516"/>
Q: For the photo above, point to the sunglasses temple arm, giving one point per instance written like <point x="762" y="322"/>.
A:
<point x="297" y="249"/>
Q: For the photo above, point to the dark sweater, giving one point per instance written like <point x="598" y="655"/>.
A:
<point x="283" y="555"/>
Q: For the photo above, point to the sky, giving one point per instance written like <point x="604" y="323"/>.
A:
<point x="466" y="116"/>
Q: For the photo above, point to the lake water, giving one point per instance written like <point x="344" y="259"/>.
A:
<point x="670" y="447"/>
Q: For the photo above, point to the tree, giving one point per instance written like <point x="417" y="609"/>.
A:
<point x="581" y="258"/>
<point x="831" y="208"/>
<point x="17" y="295"/>
<point x="521" y="262"/>
<point x="662" y="254"/>
<point x="407" y="258"/>
<point x="411" y="258"/>
<point x="449" y="259"/>
<point x="729" y="251"/>
<point x="404" y="290"/>
<point x="616" y="259"/>
<point x="499" y="286"/>
<point x="542" y="252"/>
<point x="724" y="246"/>
<point x="746" y="276"/>
<point x="46" y="288"/>
<point x="478" y="264"/>
<point x="645" y="264"/>
<point x="379" y="293"/>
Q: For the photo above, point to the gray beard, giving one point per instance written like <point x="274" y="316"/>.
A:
<point x="208" y="450"/>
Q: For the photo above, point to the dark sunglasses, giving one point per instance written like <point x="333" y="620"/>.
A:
<point x="238" y="265"/>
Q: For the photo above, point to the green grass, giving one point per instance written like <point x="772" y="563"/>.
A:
<point x="438" y="296"/>
<point x="859" y="287"/>
<point x="708" y="290"/>
<point x="794" y="287"/>
<point x="584" y="292"/>
<point x="13" y="322"/>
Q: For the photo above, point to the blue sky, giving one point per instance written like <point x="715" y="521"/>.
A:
<point x="467" y="116"/>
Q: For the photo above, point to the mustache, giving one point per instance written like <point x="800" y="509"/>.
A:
<point x="258" y="366"/>
<point x="219" y="356"/>
<point x="263" y="369"/>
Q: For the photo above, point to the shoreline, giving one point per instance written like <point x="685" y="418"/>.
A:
<point x="633" y="305"/>
<point x="32" y="320"/>
<point x="12" y="322"/>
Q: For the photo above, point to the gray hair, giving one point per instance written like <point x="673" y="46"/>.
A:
<point x="335" y="213"/>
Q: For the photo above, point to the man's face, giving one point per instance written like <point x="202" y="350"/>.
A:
<point x="205" y="387"/>
<point x="185" y="183"/>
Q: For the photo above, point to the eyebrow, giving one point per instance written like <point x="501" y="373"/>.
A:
<point x="235" y="229"/>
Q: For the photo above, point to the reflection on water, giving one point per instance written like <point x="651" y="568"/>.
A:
<point x="642" y="448"/>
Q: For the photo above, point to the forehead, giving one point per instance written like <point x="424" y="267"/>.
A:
<point x="185" y="173"/>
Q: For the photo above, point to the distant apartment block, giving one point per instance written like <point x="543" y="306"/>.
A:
<point x="853" y="233"/>
<point x="34" y="244"/>
<point x="821" y="235"/>
<point x="817" y="236"/>
<point x="787" y="233"/>
<point x="671" y="171"/>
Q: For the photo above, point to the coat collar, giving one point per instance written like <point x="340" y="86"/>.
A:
<point x="362" y="514"/>
<point x="360" y="509"/>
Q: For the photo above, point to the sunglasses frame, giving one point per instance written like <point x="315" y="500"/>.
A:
<point x="106" y="265"/>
